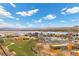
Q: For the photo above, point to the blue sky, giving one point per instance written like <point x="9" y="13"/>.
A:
<point x="30" y="15"/>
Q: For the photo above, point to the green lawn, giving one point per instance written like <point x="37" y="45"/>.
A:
<point x="22" y="48"/>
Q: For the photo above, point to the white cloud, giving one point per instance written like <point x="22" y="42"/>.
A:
<point x="12" y="4"/>
<point x="63" y="13"/>
<point x="10" y="25"/>
<point x="28" y="13"/>
<point x="29" y="25"/>
<point x="37" y="21"/>
<point x="3" y="24"/>
<point x="17" y="19"/>
<point x="72" y="10"/>
<point x="63" y="9"/>
<point x="49" y="17"/>
<point x="4" y="13"/>
<point x="19" y="26"/>
<point x="62" y="21"/>
<point x="1" y="20"/>
<point x="75" y="20"/>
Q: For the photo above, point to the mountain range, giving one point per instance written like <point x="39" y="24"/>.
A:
<point x="74" y="28"/>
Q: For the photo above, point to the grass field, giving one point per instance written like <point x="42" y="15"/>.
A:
<point x="22" y="48"/>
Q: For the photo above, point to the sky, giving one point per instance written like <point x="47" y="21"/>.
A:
<point x="38" y="15"/>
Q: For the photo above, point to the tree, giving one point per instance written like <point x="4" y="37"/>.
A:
<point x="1" y="40"/>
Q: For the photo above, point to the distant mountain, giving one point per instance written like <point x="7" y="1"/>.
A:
<point x="74" y="28"/>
